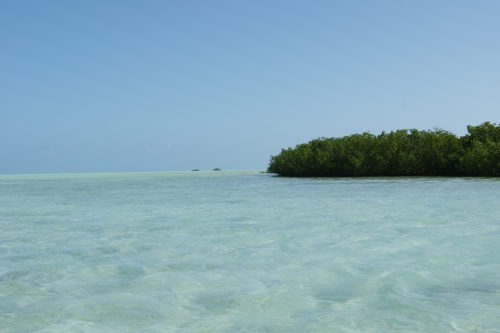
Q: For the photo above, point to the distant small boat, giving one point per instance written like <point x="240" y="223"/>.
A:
<point x="216" y="169"/>
<point x="195" y="170"/>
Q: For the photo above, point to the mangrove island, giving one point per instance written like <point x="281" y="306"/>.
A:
<point x="399" y="153"/>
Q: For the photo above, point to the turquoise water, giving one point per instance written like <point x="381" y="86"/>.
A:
<point x="248" y="252"/>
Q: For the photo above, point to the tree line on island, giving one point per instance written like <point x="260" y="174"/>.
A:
<point x="400" y="153"/>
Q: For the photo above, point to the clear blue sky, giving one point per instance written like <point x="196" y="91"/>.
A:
<point x="102" y="86"/>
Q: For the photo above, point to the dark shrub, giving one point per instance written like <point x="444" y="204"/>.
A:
<point x="399" y="153"/>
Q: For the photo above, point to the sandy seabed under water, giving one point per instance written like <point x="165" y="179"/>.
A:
<point x="248" y="252"/>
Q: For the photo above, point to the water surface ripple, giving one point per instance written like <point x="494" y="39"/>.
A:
<point x="248" y="252"/>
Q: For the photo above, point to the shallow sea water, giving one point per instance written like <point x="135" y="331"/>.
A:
<point x="248" y="252"/>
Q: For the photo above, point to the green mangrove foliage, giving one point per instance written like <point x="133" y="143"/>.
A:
<point x="400" y="153"/>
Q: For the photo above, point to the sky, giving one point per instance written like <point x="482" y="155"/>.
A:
<point x="119" y="86"/>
